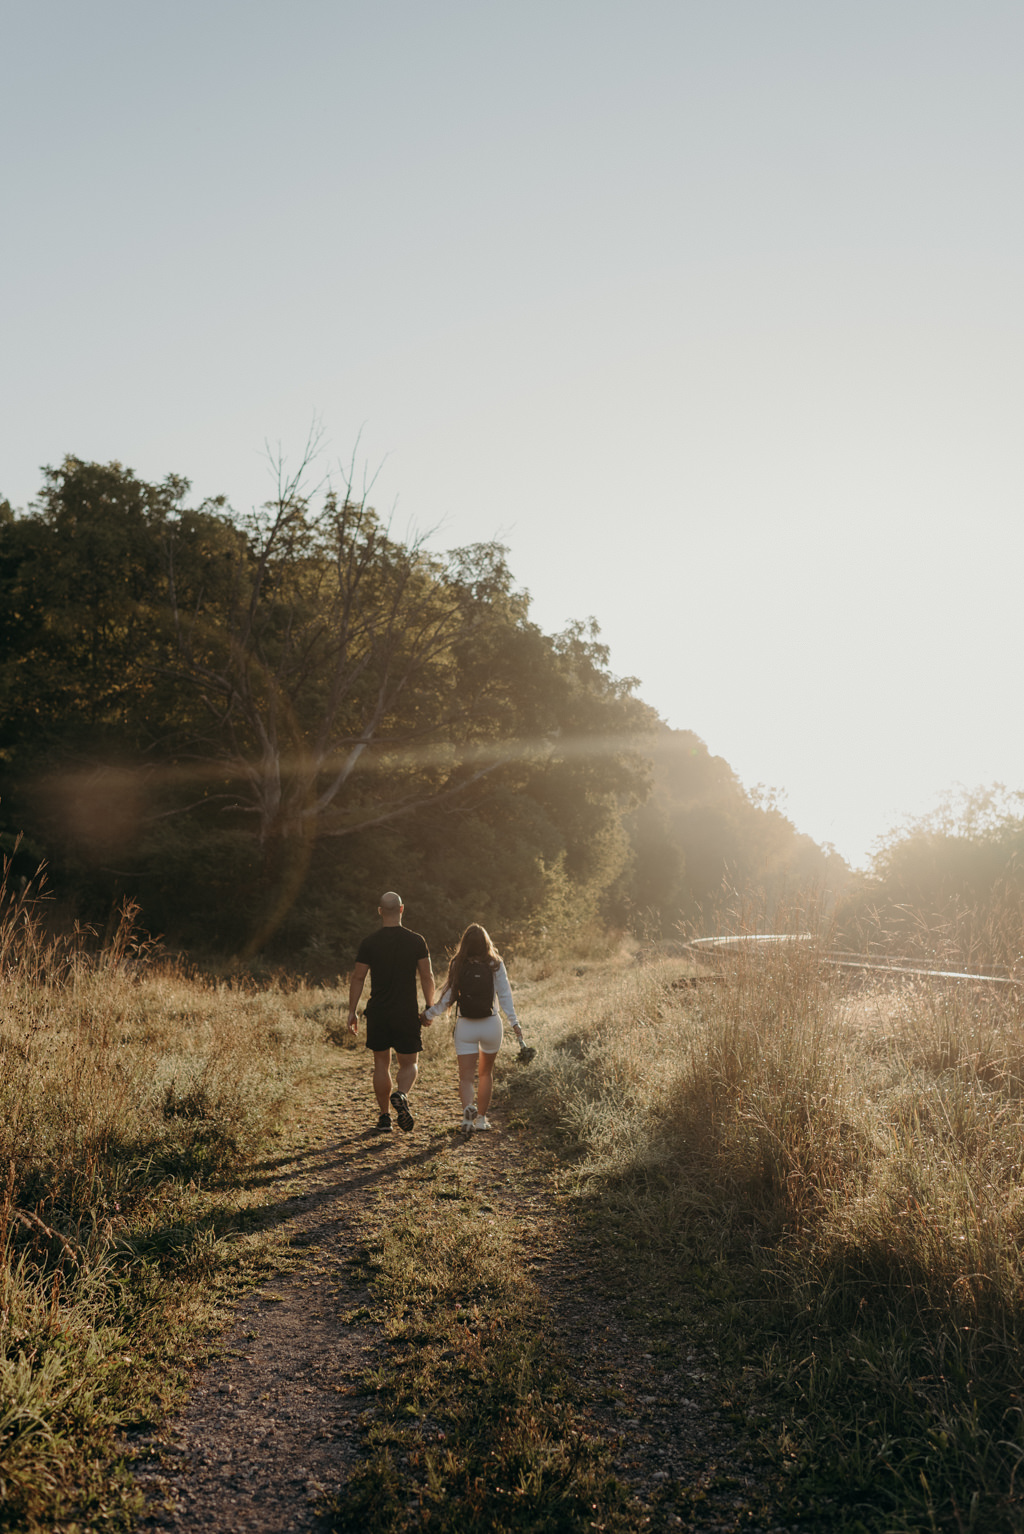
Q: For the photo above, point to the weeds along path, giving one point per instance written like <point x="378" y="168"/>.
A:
<point x="447" y="1341"/>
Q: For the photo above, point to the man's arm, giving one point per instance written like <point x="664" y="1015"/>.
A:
<point x="355" y="990"/>
<point x="427" y="983"/>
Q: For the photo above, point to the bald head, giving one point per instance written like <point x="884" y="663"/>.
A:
<point x="390" y="908"/>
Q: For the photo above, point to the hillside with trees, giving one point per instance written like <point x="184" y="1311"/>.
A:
<point x="702" y="845"/>
<point x="244" y="723"/>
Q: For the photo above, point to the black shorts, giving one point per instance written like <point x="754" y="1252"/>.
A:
<point x="406" y="1038"/>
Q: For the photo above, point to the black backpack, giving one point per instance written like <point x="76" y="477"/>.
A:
<point x="476" y="989"/>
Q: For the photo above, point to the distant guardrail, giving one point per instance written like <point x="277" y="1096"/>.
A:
<point x="737" y="942"/>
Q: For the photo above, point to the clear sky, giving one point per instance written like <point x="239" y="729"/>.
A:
<point x="712" y="310"/>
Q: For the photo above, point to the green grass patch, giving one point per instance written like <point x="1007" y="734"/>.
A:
<point x="100" y="1338"/>
<point x="473" y="1425"/>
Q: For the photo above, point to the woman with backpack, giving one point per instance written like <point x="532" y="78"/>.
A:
<point x="477" y="985"/>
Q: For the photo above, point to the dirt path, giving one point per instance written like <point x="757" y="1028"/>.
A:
<point x="274" y="1421"/>
<point x="278" y="1419"/>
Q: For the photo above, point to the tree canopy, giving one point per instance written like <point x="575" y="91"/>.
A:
<point x="229" y="716"/>
<point x="251" y="724"/>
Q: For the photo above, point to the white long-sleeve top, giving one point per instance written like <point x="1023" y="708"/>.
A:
<point x="503" y="999"/>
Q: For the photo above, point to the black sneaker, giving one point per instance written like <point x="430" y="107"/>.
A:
<point x="384" y="1123"/>
<point x="400" y="1103"/>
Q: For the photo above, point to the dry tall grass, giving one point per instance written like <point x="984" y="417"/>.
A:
<point x="850" y="1164"/>
<point x="123" y="1087"/>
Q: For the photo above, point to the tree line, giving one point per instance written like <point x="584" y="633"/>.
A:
<point x="250" y="724"/>
<point x="946" y="889"/>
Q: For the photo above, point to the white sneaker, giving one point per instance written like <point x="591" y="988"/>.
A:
<point x="483" y="1122"/>
<point x="468" y="1115"/>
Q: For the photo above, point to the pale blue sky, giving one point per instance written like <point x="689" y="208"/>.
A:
<point x="712" y="310"/>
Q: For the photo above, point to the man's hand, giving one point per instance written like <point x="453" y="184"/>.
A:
<point x="424" y="1019"/>
<point x="355" y="990"/>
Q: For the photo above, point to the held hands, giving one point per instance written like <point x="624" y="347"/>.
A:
<point x="424" y="1019"/>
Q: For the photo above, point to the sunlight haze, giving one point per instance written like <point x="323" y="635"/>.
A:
<point x="710" y="310"/>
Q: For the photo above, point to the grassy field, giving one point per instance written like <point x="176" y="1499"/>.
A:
<point x="837" y="1175"/>
<point x="127" y="1092"/>
<point x="823" y="1184"/>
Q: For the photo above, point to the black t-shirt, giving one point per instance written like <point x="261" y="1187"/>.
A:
<point x="393" y="954"/>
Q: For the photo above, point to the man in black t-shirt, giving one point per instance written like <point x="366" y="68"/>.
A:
<point x="393" y="957"/>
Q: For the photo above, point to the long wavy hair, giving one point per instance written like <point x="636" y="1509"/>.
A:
<point x="475" y="943"/>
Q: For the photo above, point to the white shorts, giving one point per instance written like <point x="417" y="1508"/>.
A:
<point x="473" y="1033"/>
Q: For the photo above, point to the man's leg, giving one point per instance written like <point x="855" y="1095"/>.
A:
<point x="399" y="1101"/>
<point x="407" y="1071"/>
<point x="382" y="1078"/>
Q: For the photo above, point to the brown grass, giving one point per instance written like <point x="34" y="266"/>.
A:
<point x="125" y="1089"/>
<point x="851" y="1165"/>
